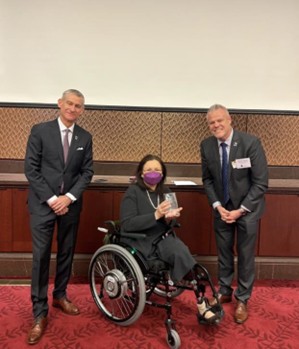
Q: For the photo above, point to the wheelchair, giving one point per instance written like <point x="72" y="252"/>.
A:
<point x="122" y="282"/>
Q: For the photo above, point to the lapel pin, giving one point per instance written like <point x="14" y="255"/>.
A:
<point x="76" y="138"/>
<point x="235" y="144"/>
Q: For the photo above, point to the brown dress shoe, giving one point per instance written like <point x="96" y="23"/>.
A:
<point x="222" y="299"/>
<point x="37" y="330"/>
<point x="66" y="306"/>
<point x="241" y="313"/>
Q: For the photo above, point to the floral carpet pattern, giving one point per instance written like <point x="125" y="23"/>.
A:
<point x="273" y="322"/>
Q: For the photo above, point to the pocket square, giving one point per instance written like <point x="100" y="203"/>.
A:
<point x="79" y="148"/>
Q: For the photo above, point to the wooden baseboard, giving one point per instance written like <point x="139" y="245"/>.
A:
<point x="18" y="265"/>
<point x="265" y="267"/>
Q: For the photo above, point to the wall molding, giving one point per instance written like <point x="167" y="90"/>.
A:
<point x="128" y="168"/>
<point x="150" y="109"/>
<point x="18" y="265"/>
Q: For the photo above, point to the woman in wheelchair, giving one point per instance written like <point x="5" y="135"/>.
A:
<point x="144" y="210"/>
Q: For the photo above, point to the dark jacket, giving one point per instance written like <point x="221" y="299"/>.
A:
<point x="45" y="168"/>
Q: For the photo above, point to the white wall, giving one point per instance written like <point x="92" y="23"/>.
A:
<point x="163" y="53"/>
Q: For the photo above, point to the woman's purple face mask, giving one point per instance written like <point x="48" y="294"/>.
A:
<point x="152" y="178"/>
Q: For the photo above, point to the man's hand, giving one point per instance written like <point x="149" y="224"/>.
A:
<point x="60" y="205"/>
<point x="223" y="213"/>
<point x="234" y="215"/>
<point x="63" y="212"/>
<point x="229" y="216"/>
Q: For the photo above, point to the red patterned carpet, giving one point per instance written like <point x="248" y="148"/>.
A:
<point x="273" y="322"/>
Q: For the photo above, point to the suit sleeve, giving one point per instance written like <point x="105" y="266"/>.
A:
<point x="86" y="172"/>
<point x="259" y="176"/>
<point x="207" y="178"/>
<point x="33" y="164"/>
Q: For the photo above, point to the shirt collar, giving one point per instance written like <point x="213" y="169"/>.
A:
<point x="62" y="127"/>
<point x="228" y="141"/>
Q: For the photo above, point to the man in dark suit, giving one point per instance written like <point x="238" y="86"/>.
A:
<point x="235" y="185"/>
<point x="59" y="167"/>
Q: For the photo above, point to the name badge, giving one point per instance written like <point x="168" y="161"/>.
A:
<point x="241" y="163"/>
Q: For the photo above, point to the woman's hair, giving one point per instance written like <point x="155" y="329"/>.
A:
<point x="139" y="171"/>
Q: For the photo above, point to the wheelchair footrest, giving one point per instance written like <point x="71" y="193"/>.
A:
<point x="209" y="315"/>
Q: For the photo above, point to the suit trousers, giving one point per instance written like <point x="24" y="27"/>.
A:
<point x="42" y="230"/>
<point x="240" y="235"/>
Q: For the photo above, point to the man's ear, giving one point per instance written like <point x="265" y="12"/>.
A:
<point x="59" y="102"/>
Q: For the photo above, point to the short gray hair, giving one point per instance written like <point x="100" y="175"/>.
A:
<point x="74" y="92"/>
<point x="215" y="107"/>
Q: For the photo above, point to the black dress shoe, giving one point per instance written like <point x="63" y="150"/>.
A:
<point x="222" y="298"/>
<point x="37" y="330"/>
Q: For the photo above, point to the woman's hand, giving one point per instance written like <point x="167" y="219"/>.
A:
<point x="164" y="210"/>
<point x="174" y="213"/>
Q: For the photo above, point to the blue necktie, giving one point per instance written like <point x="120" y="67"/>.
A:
<point x="224" y="173"/>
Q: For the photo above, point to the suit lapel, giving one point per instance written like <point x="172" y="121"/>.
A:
<point x="233" y="151"/>
<point x="57" y="139"/>
<point x="216" y="155"/>
<point x="74" y="143"/>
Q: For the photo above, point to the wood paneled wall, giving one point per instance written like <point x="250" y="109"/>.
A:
<point x="127" y="135"/>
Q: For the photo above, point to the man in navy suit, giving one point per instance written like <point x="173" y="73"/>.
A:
<point x="238" y="202"/>
<point x="59" y="167"/>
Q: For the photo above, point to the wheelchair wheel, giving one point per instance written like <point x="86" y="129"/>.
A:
<point x="173" y="339"/>
<point x="117" y="284"/>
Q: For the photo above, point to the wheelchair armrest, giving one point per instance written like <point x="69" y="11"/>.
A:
<point x="113" y="225"/>
<point x="133" y="235"/>
<point x="174" y="224"/>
